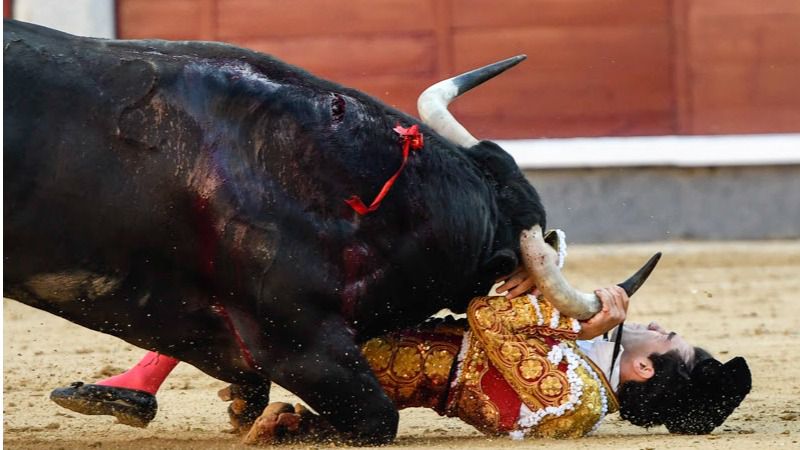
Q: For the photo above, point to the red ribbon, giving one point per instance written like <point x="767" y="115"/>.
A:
<point x="412" y="140"/>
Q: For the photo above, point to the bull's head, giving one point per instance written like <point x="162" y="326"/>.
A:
<point x="538" y="257"/>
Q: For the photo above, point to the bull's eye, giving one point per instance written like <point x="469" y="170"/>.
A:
<point x="337" y="108"/>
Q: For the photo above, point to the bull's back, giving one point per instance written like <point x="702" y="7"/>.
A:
<point x="95" y="222"/>
<point x="77" y="193"/>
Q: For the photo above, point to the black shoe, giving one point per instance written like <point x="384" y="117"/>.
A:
<point x="129" y="406"/>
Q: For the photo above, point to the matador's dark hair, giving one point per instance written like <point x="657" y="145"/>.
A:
<point x="691" y="398"/>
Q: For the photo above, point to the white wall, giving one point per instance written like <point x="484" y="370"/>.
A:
<point x="81" y="17"/>
<point x="656" y="151"/>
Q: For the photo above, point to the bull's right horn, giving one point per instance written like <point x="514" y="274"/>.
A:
<point x="540" y="261"/>
<point x="432" y="103"/>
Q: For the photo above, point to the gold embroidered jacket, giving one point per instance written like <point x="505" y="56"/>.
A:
<point x="517" y="369"/>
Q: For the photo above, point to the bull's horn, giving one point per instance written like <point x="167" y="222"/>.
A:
<point x="432" y="103"/>
<point x="632" y="284"/>
<point x="540" y="261"/>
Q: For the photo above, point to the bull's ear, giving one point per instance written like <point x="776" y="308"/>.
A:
<point x="492" y="159"/>
<point x="502" y="262"/>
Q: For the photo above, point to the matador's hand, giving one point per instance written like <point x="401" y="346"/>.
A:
<point x="517" y="283"/>
<point x="615" y="309"/>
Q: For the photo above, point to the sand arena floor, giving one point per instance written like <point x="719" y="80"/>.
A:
<point x="732" y="298"/>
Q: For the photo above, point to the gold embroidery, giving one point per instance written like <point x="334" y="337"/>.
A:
<point x="551" y="386"/>
<point x="531" y="369"/>
<point x="517" y="346"/>
<point x="407" y="362"/>
<point x="499" y="303"/>
<point x="505" y="334"/>
<point x="613" y="403"/>
<point x="411" y="370"/>
<point x="511" y="352"/>
<point x="547" y="311"/>
<point x="378" y="353"/>
<point x="468" y="401"/>
<point x="507" y="348"/>
<point x="578" y="421"/>
<point x="437" y="365"/>
<point x="484" y="317"/>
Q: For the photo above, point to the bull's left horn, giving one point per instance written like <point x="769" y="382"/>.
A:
<point x="540" y="261"/>
<point x="432" y="103"/>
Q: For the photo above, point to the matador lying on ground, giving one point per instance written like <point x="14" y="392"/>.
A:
<point x="514" y="366"/>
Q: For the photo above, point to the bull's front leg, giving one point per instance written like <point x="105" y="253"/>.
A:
<point x="328" y="371"/>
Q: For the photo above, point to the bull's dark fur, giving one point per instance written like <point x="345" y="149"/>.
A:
<point x="146" y="182"/>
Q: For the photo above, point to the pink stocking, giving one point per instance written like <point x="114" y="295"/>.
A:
<point x="147" y="375"/>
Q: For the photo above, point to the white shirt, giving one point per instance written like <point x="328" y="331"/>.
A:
<point x="601" y="351"/>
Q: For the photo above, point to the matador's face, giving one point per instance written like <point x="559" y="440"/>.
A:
<point x="640" y="341"/>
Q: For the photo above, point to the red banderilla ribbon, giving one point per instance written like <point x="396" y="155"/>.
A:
<point x="412" y="140"/>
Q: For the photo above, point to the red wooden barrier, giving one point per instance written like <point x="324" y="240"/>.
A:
<point x="596" y="67"/>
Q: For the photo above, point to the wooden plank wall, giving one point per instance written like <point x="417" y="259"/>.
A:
<point x="595" y="68"/>
<point x="742" y="66"/>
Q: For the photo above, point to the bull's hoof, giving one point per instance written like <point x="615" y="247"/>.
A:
<point x="279" y="423"/>
<point x="282" y="423"/>
<point x="247" y="404"/>
<point x="129" y="406"/>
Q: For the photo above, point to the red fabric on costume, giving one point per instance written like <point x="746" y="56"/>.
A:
<point x="503" y="396"/>
<point x="147" y="375"/>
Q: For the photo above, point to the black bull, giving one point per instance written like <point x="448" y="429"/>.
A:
<point x="188" y="197"/>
